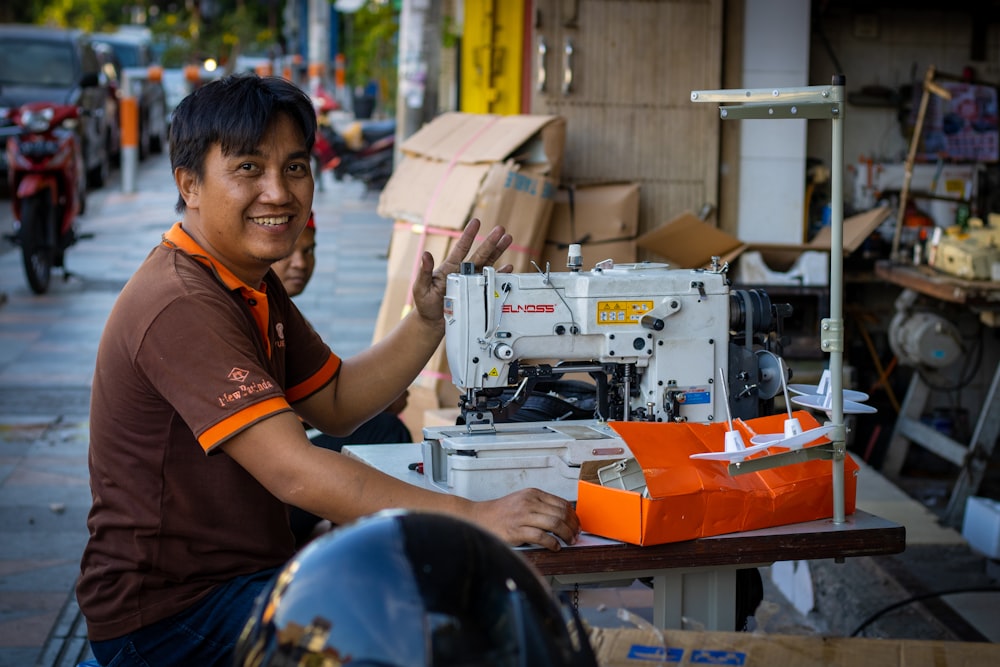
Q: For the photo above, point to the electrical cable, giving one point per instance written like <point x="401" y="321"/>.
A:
<point x="917" y="598"/>
<point x="572" y="318"/>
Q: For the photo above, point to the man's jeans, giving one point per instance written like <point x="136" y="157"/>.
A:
<point x="203" y="635"/>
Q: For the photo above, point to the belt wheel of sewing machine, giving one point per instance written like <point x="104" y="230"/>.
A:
<point x="556" y="400"/>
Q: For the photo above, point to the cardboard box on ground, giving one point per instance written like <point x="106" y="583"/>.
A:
<point x="689" y="242"/>
<point x="603" y="218"/>
<point x="631" y="647"/>
<point x="503" y="170"/>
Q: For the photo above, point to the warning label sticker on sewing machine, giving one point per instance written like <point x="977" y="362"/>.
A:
<point x="621" y="311"/>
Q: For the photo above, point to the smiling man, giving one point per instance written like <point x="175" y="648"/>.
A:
<point x="204" y="374"/>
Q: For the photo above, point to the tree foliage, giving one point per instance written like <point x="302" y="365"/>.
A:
<point x="371" y="50"/>
<point x="191" y="28"/>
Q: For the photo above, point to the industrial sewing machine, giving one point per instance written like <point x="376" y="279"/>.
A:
<point x="661" y="344"/>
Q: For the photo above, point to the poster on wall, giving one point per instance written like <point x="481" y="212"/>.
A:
<point x="965" y="128"/>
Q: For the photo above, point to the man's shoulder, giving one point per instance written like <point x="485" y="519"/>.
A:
<point x="168" y="279"/>
<point x="172" y="272"/>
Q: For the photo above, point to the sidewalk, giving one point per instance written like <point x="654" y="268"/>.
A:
<point x="47" y="348"/>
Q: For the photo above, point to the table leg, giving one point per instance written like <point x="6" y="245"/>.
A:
<point x="683" y="598"/>
<point x="971" y="460"/>
<point x="981" y="446"/>
<point x="910" y="411"/>
<point x="695" y="600"/>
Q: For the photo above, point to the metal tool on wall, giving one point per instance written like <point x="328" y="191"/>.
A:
<point x="929" y="88"/>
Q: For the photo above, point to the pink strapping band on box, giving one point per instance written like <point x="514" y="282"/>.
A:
<point x="434" y="197"/>
<point x="424" y="231"/>
<point x="434" y="375"/>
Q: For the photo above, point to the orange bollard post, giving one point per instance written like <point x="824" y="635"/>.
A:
<point x="340" y="79"/>
<point x="192" y="74"/>
<point x="129" y="112"/>
<point x="339" y="71"/>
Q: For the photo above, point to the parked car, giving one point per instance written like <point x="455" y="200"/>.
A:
<point x="133" y="49"/>
<point x="57" y="65"/>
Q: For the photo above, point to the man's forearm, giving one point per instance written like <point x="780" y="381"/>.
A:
<point x="343" y="489"/>
<point x="374" y="378"/>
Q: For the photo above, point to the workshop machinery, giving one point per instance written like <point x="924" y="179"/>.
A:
<point x="658" y="344"/>
<point x="661" y="344"/>
<point x="651" y="337"/>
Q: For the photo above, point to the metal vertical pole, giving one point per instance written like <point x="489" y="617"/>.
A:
<point x="317" y="61"/>
<point x="836" y="320"/>
<point x="419" y="66"/>
<point x="811" y="102"/>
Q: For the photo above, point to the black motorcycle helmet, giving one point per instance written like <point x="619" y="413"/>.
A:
<point x="409" y="589"/>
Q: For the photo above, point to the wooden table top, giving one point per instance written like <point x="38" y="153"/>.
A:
<point x="862" y="534"/>
<point x="980" y="294"/>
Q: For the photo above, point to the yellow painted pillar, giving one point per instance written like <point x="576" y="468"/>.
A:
<point x="492" y="56"/>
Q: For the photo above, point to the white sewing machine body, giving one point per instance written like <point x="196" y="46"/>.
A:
<point x="659" y="335"/>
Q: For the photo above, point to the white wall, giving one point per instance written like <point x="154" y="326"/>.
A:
<point x="773" y="152"/>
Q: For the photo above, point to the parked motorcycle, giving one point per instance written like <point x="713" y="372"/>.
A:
<point x="363" y="152"/>
<point x="47" y="183"/>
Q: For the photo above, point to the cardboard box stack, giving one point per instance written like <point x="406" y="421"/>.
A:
<point x="603" y="218"/>
<point x="503" y="170"/>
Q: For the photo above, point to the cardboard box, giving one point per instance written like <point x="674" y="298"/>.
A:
<point x="689" y="498"/>
<point x="634" y="647"/>
<point x="688" y="242"/>
<point x="810" y="269"/>
<point x="442" y="177"/>
<point x="408" y="242"/>
<point x="420" y="402"/>
<point x="441" y="417"/>
<point x="603" y="218"/>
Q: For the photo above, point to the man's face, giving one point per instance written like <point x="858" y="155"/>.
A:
<point x="296" y="269"/>
<point x="248" y="210"/>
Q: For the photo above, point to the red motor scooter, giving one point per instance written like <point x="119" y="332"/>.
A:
<point x="364" y="151"/>
<point x="47" y="185"/>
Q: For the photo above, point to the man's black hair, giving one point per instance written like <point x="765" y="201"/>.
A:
<point x="234" y="112"/>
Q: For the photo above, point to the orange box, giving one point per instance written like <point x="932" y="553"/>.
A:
<point x="691" y="498"/>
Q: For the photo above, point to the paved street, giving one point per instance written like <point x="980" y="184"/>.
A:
<point x="47" y="349"/>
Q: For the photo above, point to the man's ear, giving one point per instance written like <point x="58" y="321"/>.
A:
<point x="188" y="185"/>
